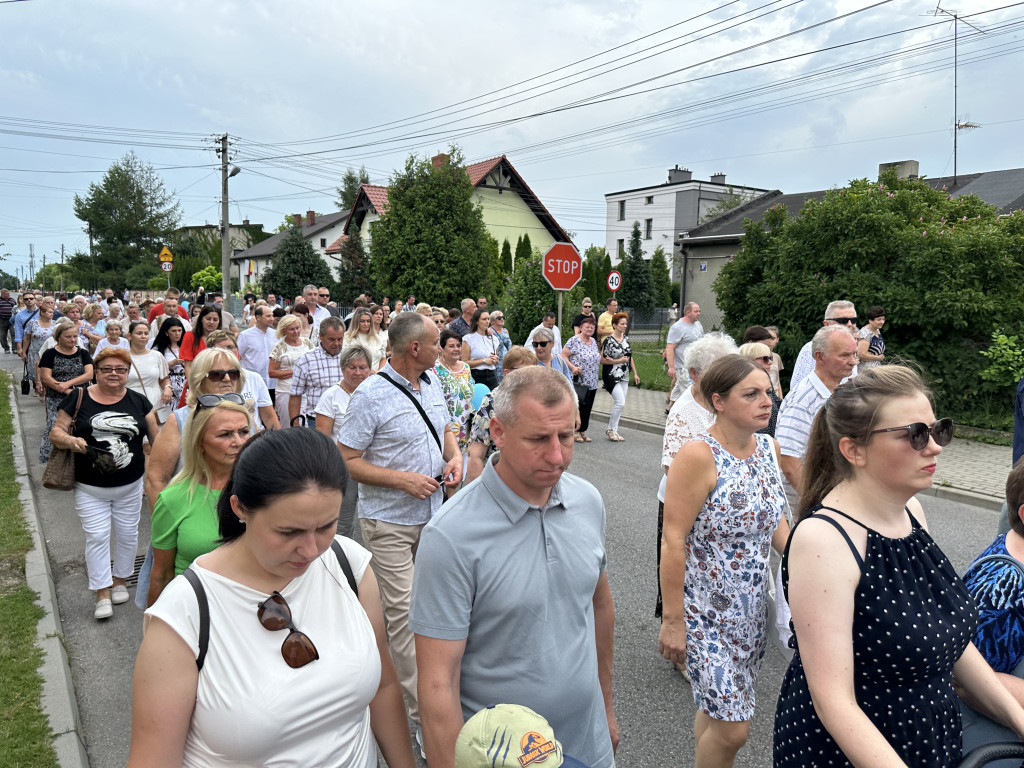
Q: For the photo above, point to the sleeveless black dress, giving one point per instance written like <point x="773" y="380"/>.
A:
<point x="912" y="620"/>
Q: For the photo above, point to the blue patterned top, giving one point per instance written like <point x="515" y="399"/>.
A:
<point x="997" y="587"/>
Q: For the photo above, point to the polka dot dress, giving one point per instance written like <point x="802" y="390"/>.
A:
<point x="912" y="620"/>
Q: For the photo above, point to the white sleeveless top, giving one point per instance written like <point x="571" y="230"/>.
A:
<point x="251" y="707"/>
<point x="481" y="346"/>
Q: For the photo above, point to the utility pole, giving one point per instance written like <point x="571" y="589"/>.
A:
<point x="225" y="240"/>
<point x="42" y="274"/>
<point x="62" y="267"/>
<point x="31" y="261"/>
<point x="92" y="263"/>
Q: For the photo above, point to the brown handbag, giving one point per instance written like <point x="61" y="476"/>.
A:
<point x="59" y="474"/>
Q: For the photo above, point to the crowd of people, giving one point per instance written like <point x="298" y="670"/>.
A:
<point x="441" y="446"/>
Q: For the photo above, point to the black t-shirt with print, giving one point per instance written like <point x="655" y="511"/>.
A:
<point x="113" y="434"/>
<point x="65" y="367"/>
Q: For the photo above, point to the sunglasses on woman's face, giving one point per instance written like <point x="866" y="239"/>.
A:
<point x="941" y="432"/>
<point x="211" y="401"/>
<point x="541" y="344"/>
<point x="297" y="649"/>
<point x="216" y="375"/>
<point x="766" y="359"/>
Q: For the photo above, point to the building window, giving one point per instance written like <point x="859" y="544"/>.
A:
<point x="622" y="210"/>
<point x="648" y="228"/>
<point x="649" y="200"/>
<point x="621" y="248"/>
<point x="323" y="242"/>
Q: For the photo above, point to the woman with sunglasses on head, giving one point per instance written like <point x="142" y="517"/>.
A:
<point x="882" y="622"/>
<point x="762" y="355"/>
<point x="185" y="513"/>
<point x="109" y="464"/>
<point x="298" y="670"/>
<point x="617" y="361"/>
<point x="149" y="376"/>
<point x="206" y="322"/>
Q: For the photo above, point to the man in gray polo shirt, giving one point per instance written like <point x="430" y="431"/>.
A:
<point x="392" y="453"/>
<point x="511" y="601"/>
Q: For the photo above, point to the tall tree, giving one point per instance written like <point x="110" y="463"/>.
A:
<point x="130" y="215"/>
<point x="431" y="241"/>
<point x="524" y="250"/>
<point x="349" y="188"/>
<point x="593" y="263"/>
<point x="637" y="290"/>
<point x="506" y="257"/>
<point x="353" y="271"/>
<point x="661" y="278"/>
<point x="294" y="265"/>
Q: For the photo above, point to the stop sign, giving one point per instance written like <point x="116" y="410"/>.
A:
<point x="563" y="266"/>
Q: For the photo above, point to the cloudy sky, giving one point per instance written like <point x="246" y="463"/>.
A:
<point x="584" y="97"/>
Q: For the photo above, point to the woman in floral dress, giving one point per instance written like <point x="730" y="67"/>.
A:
<point x="457" y="383"/>
<point x="37" y="331"/>
<point x="723" y="514"/>
<point x="583" y="355"/>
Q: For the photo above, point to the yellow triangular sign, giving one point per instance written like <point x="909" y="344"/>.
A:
<point x="166" y="255"/>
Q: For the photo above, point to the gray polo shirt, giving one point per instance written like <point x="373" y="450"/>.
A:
<point x="517" y="584"/>
<point x="383" y="424"/>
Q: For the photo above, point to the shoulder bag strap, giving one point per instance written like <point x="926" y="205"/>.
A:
<point x="419" y="407"/>
<point x="142" y="384"/>
<point x="204" y="615"/>
<point x="345" y="566"/>
<point x="78" y="407"/>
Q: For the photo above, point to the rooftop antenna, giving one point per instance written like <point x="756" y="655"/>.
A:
<point x="966" y="125"/>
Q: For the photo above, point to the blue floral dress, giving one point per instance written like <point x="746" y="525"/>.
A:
<point x="727" y="575"/>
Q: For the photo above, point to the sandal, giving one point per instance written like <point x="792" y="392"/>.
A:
<point x="584" y="438"/>
<point x="576" y="438"/>
<point x="615" y="437"/>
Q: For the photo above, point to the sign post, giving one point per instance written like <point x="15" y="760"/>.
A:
<point x="614" y="280"/>
<point x="562" y="268"/>
<point x="167" y="263"/>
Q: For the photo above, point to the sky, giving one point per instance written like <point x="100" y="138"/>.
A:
<point x="585" y="98"/>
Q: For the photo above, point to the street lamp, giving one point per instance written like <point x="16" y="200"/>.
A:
<point x="225" y="240"/>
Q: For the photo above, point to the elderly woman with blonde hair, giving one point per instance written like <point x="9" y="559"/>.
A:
<point x="91" y="329"/>
<point x="291" y="345"/>
<point x="761" y="354"/>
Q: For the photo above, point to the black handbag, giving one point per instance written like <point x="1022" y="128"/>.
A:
<point x="26" y="384"/>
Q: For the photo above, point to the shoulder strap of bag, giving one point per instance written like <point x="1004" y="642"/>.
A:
<point x="78" y="407"/>
<point x="141" y="382"/>
<point x="204" y="615"/>
<point x="419" y="407"/>
<point x="345" y="566"/>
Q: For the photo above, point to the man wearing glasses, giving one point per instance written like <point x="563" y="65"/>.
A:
<point x="837" y="313"/>
<point x="317" y="314"/>
<point x="22" y="318"/>
<point x="323" y="296"/>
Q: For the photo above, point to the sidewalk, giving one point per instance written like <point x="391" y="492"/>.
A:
<point x="968" y="472"/>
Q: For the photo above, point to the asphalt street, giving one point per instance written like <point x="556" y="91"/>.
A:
<point x="654" y="705"/>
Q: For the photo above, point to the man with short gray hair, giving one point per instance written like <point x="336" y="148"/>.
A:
<point x="317" y="314"/>
<point x="838" y="312"/>
<point x="511" y="600"/>
<point x="399" y="445"/>
<point x="460" y="325"/>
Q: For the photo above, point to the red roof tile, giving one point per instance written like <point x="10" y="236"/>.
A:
<point x="335" y="247"/>
<point x="478" y="171"/>
<point x="378" y="196"/>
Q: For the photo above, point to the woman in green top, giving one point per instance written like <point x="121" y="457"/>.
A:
<point x="185" y="515"/>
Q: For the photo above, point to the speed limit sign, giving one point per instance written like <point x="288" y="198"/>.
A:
<point x="614" y="281"/>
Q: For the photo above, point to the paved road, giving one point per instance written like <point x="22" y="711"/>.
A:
<point x="654" y="705"/>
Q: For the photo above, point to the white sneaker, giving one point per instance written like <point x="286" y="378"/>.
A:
<point x="119" y="594"/>
<point x="104" y="609"/>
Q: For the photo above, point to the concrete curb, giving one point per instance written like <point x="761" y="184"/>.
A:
<point x="58" y="696"/>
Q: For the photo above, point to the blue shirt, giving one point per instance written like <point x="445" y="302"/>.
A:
<point x="517" y="584"/>
<point x="20" y="320"/>
<point x="1018" y="422"/>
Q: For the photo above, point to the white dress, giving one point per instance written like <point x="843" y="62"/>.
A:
<point x="251" y="707"/>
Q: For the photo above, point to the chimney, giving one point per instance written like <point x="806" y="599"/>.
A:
<point x="905" y="169"/>
<point x="439" y="159"/>
<point x="310" y="218"/>
<point x="677" y="174"/>
<point x="245" y="222"/>
<point x="718" y="178"/>
<point x="297" y="219"/>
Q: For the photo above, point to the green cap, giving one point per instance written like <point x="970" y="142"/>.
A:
<point x="507" y="736"/>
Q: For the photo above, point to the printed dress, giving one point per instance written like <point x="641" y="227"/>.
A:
<point x="458" y="394"/>
<point x="727" y="574"/>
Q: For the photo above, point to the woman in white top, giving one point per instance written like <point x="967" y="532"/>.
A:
<point x="379" y="318"/>
<point x="149" y="375"/>
<point x="361" y="332"/>
<point x="330" y="415"/>
<point x="113" y="338"/>
<point x="480" y="349"/>
<point x="323" y="693"/>
<point x="291" y="346"/>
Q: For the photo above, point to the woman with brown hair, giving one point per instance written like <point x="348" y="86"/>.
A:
<point x="723" y="515"/>
<point x="882" y="623"/>
<point x="109" y="464"/>
<point x="61" y="368"/>
<point x="194" y="341"/>
<point x="617" y="360"/>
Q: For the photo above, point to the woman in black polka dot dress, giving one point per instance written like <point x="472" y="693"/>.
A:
<point x="882" y="621"/>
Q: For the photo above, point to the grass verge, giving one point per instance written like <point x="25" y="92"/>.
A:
<point x="25" y="737"/>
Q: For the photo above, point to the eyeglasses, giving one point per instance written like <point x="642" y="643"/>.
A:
<point x="919" y="432"/>
<point x="541" y="344"/>
<point x="297" y="649"/>
<point x="119" y="370"/>
<point x="216" y="375"/>
<point x="766" y="359"/>
<point x="846" y="320"/>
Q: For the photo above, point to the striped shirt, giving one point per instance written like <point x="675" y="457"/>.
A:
<point x="8" y="307"/>
<point x="795" y="418"/>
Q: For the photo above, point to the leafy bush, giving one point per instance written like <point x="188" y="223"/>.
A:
<point x="527" y="298"/>
<point x="1006" y="360"/>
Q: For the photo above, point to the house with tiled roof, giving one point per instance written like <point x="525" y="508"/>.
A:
<point x="510" y="207"/>
<point x="704" y="249"/>
<point x="321" y="231"/>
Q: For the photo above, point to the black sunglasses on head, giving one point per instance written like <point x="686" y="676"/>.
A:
<point x="211" y="401"/>
<point x="297" y="649"/>
<point x="941" y="432"/>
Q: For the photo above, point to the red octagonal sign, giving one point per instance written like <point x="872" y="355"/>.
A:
<point x="563" y="266"/>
